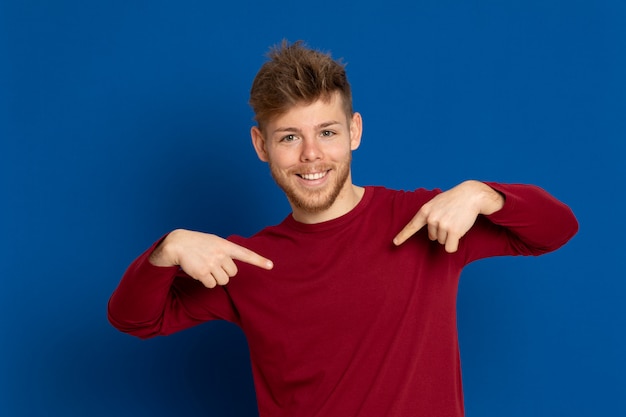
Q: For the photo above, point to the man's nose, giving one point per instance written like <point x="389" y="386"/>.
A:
<point x="311" y="150"/>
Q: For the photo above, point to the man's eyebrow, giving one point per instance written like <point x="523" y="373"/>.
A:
<point x="327" y="124"/>
<point x="295" y="129"/>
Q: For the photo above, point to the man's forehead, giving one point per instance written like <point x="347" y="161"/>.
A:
<point x="319" y="113"/>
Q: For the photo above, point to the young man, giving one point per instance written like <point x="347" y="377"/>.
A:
<point x="349" y="304"/>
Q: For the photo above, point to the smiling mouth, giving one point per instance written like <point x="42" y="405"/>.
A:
<point x="313" y="176"/>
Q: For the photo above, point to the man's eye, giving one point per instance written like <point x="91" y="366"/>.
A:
<point x="327" y="133"/>
<point x="288" y="138"/>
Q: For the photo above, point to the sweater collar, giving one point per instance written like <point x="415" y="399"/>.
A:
<point x="337" y="222"/>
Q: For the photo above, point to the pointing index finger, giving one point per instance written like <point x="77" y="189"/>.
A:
<point x="242" y="254"/>
<point x="416" y="223"/>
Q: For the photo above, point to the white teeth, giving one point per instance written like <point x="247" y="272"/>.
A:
<point x="315" y="176"/>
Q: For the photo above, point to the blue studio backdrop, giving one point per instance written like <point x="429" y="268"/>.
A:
<point x="122" y="120"/>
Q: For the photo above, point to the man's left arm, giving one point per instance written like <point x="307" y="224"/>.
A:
<point x="538" y="219"/>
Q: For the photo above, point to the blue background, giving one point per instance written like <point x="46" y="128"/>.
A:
<point x="122" y="120"/>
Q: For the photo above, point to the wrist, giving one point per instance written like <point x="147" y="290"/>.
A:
<point x="162" y="255"/>
<point x="491" y="200"/>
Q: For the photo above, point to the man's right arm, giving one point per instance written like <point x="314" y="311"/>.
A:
<point x="153" y="299"/>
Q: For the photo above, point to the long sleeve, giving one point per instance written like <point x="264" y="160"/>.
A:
<point x="531" y="222"/>
<point x="151" y="300"/>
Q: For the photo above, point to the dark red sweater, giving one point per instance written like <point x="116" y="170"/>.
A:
<point x="347" y="324"/>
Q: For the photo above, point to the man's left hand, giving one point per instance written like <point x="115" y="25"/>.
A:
<point x="451" y="214"/>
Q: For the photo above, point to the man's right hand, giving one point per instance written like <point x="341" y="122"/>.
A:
<point x="204" y="257"/>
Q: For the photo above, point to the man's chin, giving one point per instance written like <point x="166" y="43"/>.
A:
<point x="312" y="205"/>
<point x="312" y="200"/>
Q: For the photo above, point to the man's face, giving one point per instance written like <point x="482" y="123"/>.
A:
<point x="309" y="149"/>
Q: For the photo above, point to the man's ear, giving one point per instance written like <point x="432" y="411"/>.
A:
<point x="259" y="143"/>
<point x="356" y="130"/>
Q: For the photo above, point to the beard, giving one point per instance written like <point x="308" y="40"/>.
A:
<point x="312" y="200"/>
